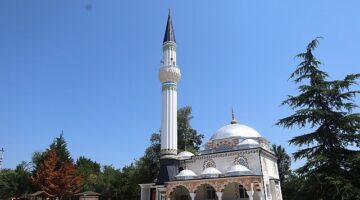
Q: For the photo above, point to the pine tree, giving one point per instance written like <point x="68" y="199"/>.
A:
<point x="325" y="109"/>
<point x="60" y="145"/>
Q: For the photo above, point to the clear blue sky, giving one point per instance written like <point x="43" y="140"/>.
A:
<point x="89" y="68"/>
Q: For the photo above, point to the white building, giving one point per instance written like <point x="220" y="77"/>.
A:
<point x="235" y="164"/>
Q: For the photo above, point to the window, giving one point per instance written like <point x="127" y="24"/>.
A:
<point x="210" y="193"/>
<point x="242" y="192"/>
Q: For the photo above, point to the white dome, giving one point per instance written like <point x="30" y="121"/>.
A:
<point x="235" y="130"/>
<point x="186" y="174"/>
<point x="238" y="170"/>
<point x="185" y="155"/>
<point x="210" y="172"/>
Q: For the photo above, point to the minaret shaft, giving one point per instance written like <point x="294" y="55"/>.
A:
<point x="169" y="75"/>
<point x="169" y="125"/>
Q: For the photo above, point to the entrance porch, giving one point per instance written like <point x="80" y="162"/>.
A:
<point x="226" y="188"/>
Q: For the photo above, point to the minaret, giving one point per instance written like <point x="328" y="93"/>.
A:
<point x="169" y="75"/>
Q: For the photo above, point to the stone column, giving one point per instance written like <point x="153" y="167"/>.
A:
<point x="250" y="194"/>
<point x="260" y="194"/>
<point x="219" y="195"/>
<point x="145" y="191"/>
<point x="192" y="195"/>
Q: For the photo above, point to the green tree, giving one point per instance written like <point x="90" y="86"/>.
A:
<point x="283" y="162"/>
<point x="188" y="138"/>
<point x="7" y="183"/>
<point x="325" y="109"/>
<point x="15" y="183"/>
<point x="62" y="151"/>
<point x="60" y="145"/>
<point x="108" y="183"/>
<point x="149" y="164"/>
<point x="23" y="178"/>
<point x="288" y="180"/>
<point x="90" y="171"/>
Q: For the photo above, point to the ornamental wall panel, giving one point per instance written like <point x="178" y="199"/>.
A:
<point x="224" y="161"/>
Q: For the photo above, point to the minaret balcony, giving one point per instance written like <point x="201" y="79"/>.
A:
<point x="169" y="73"/>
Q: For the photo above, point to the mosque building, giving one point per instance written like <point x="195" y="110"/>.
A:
<point x="235" y="164"/>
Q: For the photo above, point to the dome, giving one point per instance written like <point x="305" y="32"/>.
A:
<point x="185" y="155"/>
<point x="238" y="170"/>
<point x="235" y="130"/>
<point x="210" y="172"/>
<point x="186" y="174"/>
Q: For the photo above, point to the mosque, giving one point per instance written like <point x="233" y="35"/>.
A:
<point x="235" y="164"/>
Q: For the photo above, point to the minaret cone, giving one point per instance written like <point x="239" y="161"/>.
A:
<point x="169" y="31"/>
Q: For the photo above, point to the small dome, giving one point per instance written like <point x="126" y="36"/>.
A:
<point x="210" y="172"/>
<point x="185" y="155"/>
<point x="238" y="170"/>
<point x="186" y="174"/>
<point x="235" y="130"/>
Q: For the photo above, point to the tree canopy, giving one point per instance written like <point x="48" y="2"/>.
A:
<point x="188" y="138"/>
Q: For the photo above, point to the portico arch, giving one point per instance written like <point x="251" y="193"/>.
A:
<point x="180" y="193"/>
<point x="205" y="192"/>
<point x="234" y="190"/>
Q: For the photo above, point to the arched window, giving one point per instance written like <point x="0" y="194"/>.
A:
<point x="242" y="192"/>
<point x="210" y="193"/>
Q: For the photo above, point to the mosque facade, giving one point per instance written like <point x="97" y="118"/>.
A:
<point x="235" y="164"/>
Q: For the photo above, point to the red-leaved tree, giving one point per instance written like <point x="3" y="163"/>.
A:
<point x="61" y="182"/>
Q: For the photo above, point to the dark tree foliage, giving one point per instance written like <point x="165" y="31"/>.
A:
<point x="15" y="183"/>
<point x="188" y="138"/>
<point x="289" y="181"/>
<point x="7" y="183"/>
<point x="332" y="140"/>
<point x="61" y="148"/>
<point x="283" y="162"/>
<point x="149" y="164"/>
<point x="62" y="151"/>
<point x="23" y="178"/>
<point x="90" y="171"/>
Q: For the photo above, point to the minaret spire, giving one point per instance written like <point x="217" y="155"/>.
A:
<point x="169" y="31"/>
<point x="233" y="120"/>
